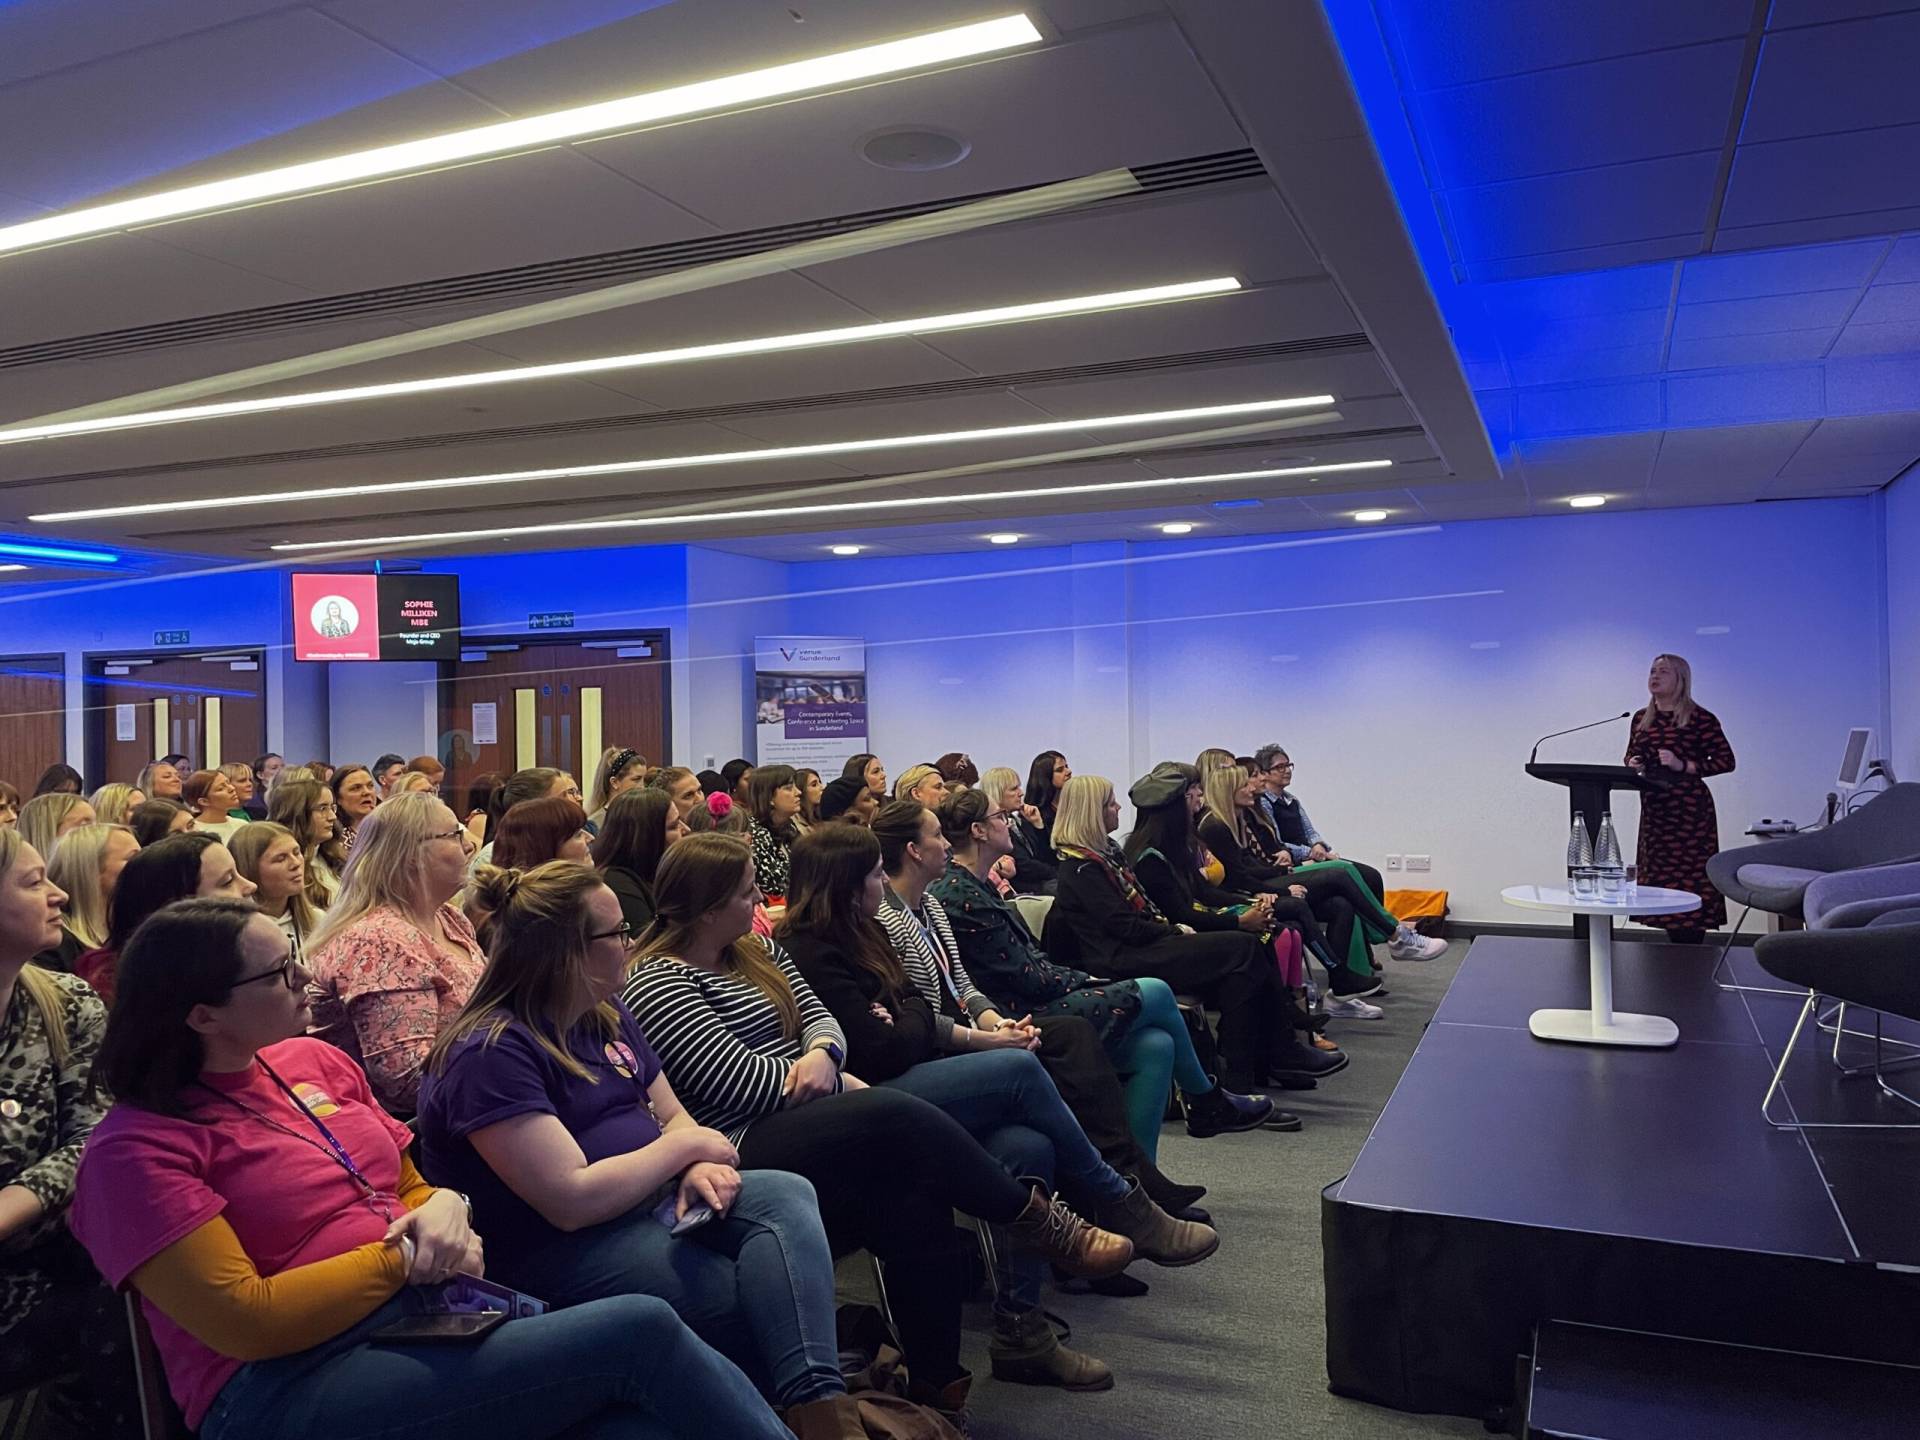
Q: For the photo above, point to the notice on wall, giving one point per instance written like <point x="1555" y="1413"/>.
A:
<point x="810" y="701"/>
<point x="486" y="723"/>
<point x="123" y="722"/>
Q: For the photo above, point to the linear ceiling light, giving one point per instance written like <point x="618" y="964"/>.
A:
<point x="674" y="462"/>
<point x="780" y="512"/>
<point x="760" y="345"/>
<point x="29" y="550"/>
<point x="751" y="87"/>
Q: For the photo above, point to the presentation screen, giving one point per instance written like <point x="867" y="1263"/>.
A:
<point x="376" y="617"/>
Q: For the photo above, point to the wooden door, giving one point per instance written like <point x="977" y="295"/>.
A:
<point x="211" y="707"/>
<point x="33" y="718"/>
<point x="553" y="702"/>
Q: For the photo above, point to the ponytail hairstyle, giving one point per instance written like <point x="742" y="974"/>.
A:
<point x="532" y="783"/>
<point x="830" y="868"/>
<point x="537" y="942"/>
<point x="963" y="810"/>
<point x="615" y="761"/>
<point x="697" y="877"/>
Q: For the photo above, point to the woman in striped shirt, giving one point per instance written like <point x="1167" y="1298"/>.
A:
<point x="756" y="1056"/>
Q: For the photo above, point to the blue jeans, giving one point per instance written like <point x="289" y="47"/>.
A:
<point x="1006" y="1101"/>
<point x="620" y="1369"/>
<point x="756" y="1284"/>
<point x="1155" y="1050"/>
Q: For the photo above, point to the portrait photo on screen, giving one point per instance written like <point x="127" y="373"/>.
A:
<point x="336" y="617"/>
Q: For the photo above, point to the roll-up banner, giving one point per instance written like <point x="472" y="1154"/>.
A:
<point x="809" y="701"/>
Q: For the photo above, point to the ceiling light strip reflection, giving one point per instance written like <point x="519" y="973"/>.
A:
<point x="717" y="350"/>
<point x="678" y="462"/>
<point x="841" y="507"/>
<point x="822" y="72"/>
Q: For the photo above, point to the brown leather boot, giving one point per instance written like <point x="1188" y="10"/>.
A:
<point x="1049" y="1229"/>
<point x="833" y="1417"/>
<point x="1156" y="1235"/>
<point x="1025" y="1350"/>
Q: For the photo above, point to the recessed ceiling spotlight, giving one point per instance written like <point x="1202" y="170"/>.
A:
<point x="1003" y="539"/>
<point x="912" y="148"/>
<point x="1177" y="527"/>
<point x="831" y="507"/>
<point x="1586" y="502"/>
<point x="1368" y="517"/>
<point x="628" y="112"/>
<point x="845" y="549"/>
<point x="680" y="355"/>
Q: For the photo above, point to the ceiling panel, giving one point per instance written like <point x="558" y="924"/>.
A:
<point x="1836" y="438"/>
<point x="1897" y="338"/>
<point x="42" y="35"/>
<point x="1651" y="200"/>
<point x="1779" y="272"/>
<point x="1806" y="311"/>
<point x="1852" y="175"/>
<point x="1474" y="39"/>
<point x="1884" y="303"/>
<point x="1774" y="348"/>
<point x="1686" y="456"/>
<point x="1830" y="78"/>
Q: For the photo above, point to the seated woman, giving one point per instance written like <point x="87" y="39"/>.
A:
<point x="306" y="807"/>
<point x="154" y="820"/>
<point x="241" y="778"/>
<point x="394" y="959"/>
<point x="9" y="806"/>
<point x="355" y="794"/>
<point x="60" y="780"/>
<point x="248" y="1187"/>
<point x="87" y="867"/>
<point x="175" y="867"/>
<point x="57" y="1319"/>
<point x="621" y="768"/>
<point x="1040" y="803"/>
<point x="532" y="833"/>
<point x="681" y="786"/>
<point x="46" y="818"/>
<point x="849" y="802"/>
<point x="1104" y="920"/>
<point x="1166" y="857"/>
<point x="210" y="795"/>
<point x="999" y="1093"/>
<point x="269" y="856"/>
<point x="756" y="1056"/>
<point x="544" y="1103"/>
<point x="774" y="801"/>
<point x="159" y="781"/>
<point x="538" y="782"/>
<point x="922" y="784"/>
<point x="867" y="771"/>
<point x="812" y="787"/>
<point x="1239" y="837"/>
<point x="1138" y="1021"/>
<point x="114" y="804"/>
<point x="641" y="824"/>
<point x="1027" y="872"/>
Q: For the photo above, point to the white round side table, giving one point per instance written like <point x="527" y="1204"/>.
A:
<point x="1599" y="1025"/>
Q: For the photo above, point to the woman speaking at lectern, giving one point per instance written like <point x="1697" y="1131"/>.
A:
<point x="1679" y="831"/>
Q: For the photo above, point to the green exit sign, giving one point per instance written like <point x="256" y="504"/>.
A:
<point x="170" y="637"/>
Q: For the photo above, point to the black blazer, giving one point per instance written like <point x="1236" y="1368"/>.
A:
<point x="636" y="896"/>
<point x="1091" y="922"/>
<point x="1035" y="866"/>
<point x="876" y="1051"/>
<point x="1248" y="873"/>
<point x="1184" y="897"/>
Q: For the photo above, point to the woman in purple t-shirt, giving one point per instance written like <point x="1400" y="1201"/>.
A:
<point x="545" y="1103"/>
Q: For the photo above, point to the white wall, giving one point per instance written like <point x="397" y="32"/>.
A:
<point x="1901" y="511"/>
<point x="1408" y="739"/>
<point x="731" y="599"/>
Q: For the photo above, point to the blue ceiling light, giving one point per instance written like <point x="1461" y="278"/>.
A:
<point x="64" y="554"/>
<point x="1236" y="504"/>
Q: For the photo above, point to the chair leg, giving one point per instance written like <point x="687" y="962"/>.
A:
<point x="1834" y="1022"/>
<point x="1720" y="962"/>
<point x="989" y="1256"/>
<point x="1780" y="1071"/>
<point x="880" y="1290"/>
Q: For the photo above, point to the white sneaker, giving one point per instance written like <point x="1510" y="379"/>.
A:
<point x="1348" y="1007"/>
<point x="1409" y="944"/>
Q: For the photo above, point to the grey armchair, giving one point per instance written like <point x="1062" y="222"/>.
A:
<point x="1773" y="876"/>
<point x="1876" y="965"/>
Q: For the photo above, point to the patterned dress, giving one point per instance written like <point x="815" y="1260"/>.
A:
<point x="1679" y="831"/>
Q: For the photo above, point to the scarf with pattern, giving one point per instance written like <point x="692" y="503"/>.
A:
<point x="1120" y="874"/>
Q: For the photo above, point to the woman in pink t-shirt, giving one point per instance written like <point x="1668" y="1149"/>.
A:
<point x="248" y="1187"/>
<point x="395" y="959"/>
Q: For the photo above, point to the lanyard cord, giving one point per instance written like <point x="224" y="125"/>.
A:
<point x="332" y="1149"/>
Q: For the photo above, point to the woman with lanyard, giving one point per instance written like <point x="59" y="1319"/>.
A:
<point x="246" y="1185"/>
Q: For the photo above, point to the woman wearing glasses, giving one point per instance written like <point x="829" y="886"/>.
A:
<point x="394" y="958"/>
<point x="252" y="1192"/>
<point x="545" y="1103"/>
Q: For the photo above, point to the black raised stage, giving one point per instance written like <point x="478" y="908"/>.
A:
<point x="1511" y="1181"/>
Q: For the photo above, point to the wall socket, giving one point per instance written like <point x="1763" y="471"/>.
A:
<point x="1393" y="862"/>
<point x="1419" y="862"/>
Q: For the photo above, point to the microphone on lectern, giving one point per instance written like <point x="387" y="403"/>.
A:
<point x="1623" y="715"/>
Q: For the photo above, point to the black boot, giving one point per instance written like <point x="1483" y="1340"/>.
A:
<point x="1293" y="1061"/>
<point x="1169" y="1195"/>
<point x="1220" y="1111"/>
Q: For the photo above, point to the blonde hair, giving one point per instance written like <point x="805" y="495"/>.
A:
<point x="604" y="774"/>
<point x="237" y="774"/>
<point x="912" y="776"/>
<point x="75" y="868"/>
<point x="110" y="803"/>
<point x="997" y="781"/>
<point x="697" y="876"/>
<point x="415" y="782"/>
<point x="42" y="990"/>
<point x="383" y="864"/>
<point x="40" y="817"/>
<point x="1081" y="815"/>
<point x="1220" y="784"/>
<point x="537" y="942"/>
<point x="249" y="843"/>
<point x="1212" y="758"/>
<point x="1683" y="706"/>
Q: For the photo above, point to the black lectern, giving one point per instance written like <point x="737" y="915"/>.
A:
<point x="1589" y="794"/>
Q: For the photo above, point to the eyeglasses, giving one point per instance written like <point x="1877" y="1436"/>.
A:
<point x="1007" y="815"/>
<point x="623" y="932"/>
<point x="453" y="834"/>
<point x="328" y="809"/>
<point x="283" y="972"/>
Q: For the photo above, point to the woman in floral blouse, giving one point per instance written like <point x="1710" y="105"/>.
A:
<point x="773" y="795"/>
<point x="56" y="1318"/>
<point x="395" y="960"/>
